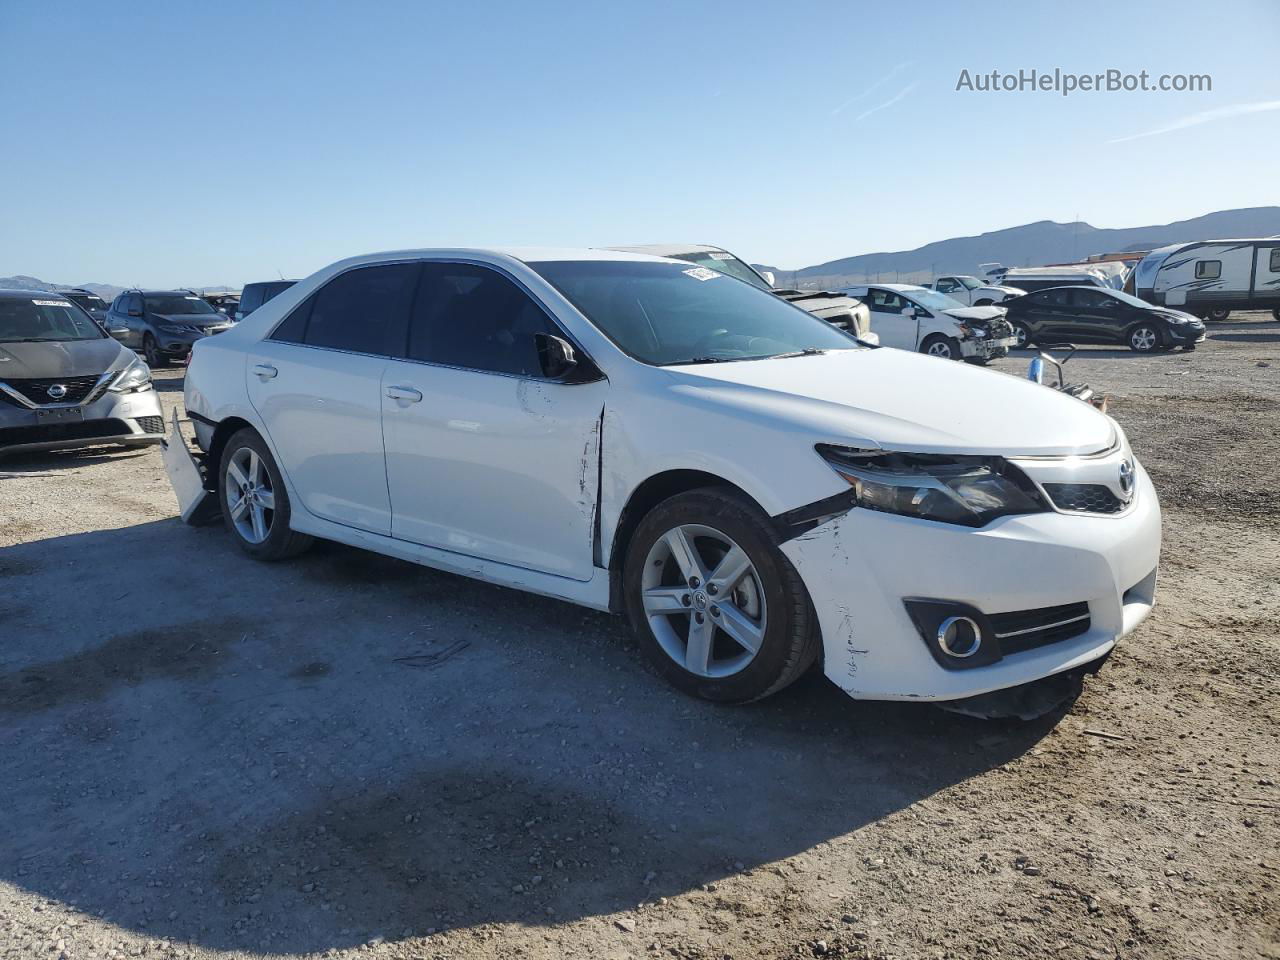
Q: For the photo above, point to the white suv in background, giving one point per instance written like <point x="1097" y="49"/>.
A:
<point x="752" y="487"/>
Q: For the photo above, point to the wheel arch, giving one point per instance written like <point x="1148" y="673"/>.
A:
<point x="647" y="495"/>
<point x="224" y="431"/>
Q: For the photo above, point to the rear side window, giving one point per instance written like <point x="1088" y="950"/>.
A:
<point x="471" y="316"/>
<point x="251" y="298"/>
<point x="1208" y="269"/>
<point x="1275" y="260"/>
<point x="362" y="311"/>
<point x="1053" y="298"/>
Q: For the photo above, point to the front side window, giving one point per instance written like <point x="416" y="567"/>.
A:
<point x="471" y="316"/>
<point x="1095" y="300"/>
<point x="176" y="304"/>
<point x="886" y="301"/>
<point x="668" y="313"/>
<point x="37" y="319"/>
<point x="1208" y="269"/>
<point x="361" y="310"/>
<point x="1275" y="260"/>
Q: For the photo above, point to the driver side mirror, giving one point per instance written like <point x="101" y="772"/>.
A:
<point x="909" y="312"/>
<point x="556" y="356"/>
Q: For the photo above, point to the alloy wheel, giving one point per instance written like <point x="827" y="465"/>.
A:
<point x="1143" y="339"/>
<point x="940" y="348"/>
<point x="704" y="601"/>
<point x="250" y="496"/>
<point x="1020" y="337"/>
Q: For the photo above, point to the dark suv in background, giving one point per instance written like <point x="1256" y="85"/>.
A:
<point x="162" y="324"/>
<point x="255" y="295"/>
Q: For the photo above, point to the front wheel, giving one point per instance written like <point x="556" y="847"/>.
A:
<point x="151" y="352"/>
<point x="1217" y="315"/>
<point x="255" y="504"/>
<point x="718" y="609"/>
<point x="1145" y="338"/>
<point x="945" y="348"/>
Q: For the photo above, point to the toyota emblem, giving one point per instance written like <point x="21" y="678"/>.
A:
<point x="1126" y="479"/>
<point x="57" y="391"/>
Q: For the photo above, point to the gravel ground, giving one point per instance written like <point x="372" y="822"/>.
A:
<point x="203" y="756"/>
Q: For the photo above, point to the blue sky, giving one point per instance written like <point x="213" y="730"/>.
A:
<point x="174" y="143"/>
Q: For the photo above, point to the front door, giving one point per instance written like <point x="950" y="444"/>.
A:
<point x="485" y="456"/>
<point x="887" y="320"/>
<point x="317" y="384"/>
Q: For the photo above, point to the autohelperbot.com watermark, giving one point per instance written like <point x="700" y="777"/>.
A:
<point x="1065" y="82"/>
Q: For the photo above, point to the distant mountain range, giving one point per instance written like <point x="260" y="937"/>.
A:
<point x="106" y="291"/>
<point x="1030" y="245"/>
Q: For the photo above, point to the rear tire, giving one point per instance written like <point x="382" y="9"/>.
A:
<point x="1276" y="313"/>
<point x="254" y="501"/>
<point x="1021" y="336"/>
<point x="944" y="348"/>
<point x="1217" y="316"/>
<point x="984" y="302"/>
<point x="767" y="602"/>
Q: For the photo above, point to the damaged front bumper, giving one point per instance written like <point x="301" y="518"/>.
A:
<point x="1051" y="592"/>
<point x="987" y="348"/>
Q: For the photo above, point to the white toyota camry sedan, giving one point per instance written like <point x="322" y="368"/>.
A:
<point x="753" y="488"/>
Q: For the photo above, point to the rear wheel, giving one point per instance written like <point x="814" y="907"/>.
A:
<point x="1276" y="313"/>
<point x="1145" y="338"/>
<point x="1217" y="315"/>
<point x="984" y="302"/>
<point x="717" y="607"/>
<point x="945" y="348"/>
<point x="255" y="504"/>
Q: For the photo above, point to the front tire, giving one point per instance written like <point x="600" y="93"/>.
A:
<point x="1145" y="338"/>
<point x="1217" y="315"/>
<point x="944" y="348"/>
<point x="255" y="504"/>
<point x="718" y="609"/>
<point x="151" y="352"/>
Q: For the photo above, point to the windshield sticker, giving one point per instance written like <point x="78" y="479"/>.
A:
<point x="702" y="273"/>
<point x="722" y="256"/>
<point x="51" y="303"/>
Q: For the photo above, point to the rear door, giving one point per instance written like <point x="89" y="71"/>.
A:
<point x="486" y="456"/>
<point x="316" y="381"/>
<point x="887" y="320"/>
<point x="1051" y="312"/>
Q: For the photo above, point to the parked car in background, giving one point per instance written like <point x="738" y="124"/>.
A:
<point x="1213" y="277"/>
<point x="972" y="292"/>
<point x="837" y="309"/>
<point x="225" y="303"/>
<point x="65" y="383"/>
<point x="911" y="317"/>
<point x="89" y="302"/>
<point x="162" y="324"/>
<point x="255" y="295"/>
<point x="1098" y="315"/>
<point x="1109" y="275"/>
<point x="752" y="487"/>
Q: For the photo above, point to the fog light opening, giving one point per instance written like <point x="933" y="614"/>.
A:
<point x="959" y="637"/>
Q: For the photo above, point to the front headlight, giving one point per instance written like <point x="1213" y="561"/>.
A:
<point x="136" y="376"/>
<point x="1172" y="318"/>
<point x="971" y="491"/>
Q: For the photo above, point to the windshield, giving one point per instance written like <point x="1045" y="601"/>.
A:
<point x="88" y="301"/>
<point x="39" y="319"/>
<point x="725" y="263"/>
<point x="932" y="300"/>
<point x="666" y="313"/>
<point x="177" y="303"/>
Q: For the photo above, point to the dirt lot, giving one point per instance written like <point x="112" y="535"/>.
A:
<point x="200" y="755"/>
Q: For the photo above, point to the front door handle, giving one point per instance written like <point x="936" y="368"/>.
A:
<point x="265" y="371"/>
<point x="408" y="394"/>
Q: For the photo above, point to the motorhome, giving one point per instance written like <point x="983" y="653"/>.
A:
<point x="1211" y="278"/>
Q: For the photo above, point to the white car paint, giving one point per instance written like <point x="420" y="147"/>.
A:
<point x="522" y="482"/>
<point x="889" y="303"/>
<point x="973" y="292"/>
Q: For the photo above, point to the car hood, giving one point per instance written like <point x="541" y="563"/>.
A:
<point x="70" y="358"/>
<point x="977" y="314"/>
<point x="899" y="400"/>
<point x="1008" y="291"/>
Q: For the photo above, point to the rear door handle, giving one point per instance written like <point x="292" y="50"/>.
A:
<point x="265" y="370"/>
<point x="405" y="393"/>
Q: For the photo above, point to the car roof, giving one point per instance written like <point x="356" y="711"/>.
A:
<point x="900" y="287"/>
<point x="19" y="294"/>
<point x="525" y="255"/>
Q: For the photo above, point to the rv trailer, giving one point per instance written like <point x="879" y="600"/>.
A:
<point x="1211" y="278"/>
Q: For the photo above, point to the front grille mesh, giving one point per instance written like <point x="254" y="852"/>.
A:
<point x="37" y="391"/>
<point x="1084" y="497"/>
<point x="151" y="424"/>
<point x="1028" y="629"/>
